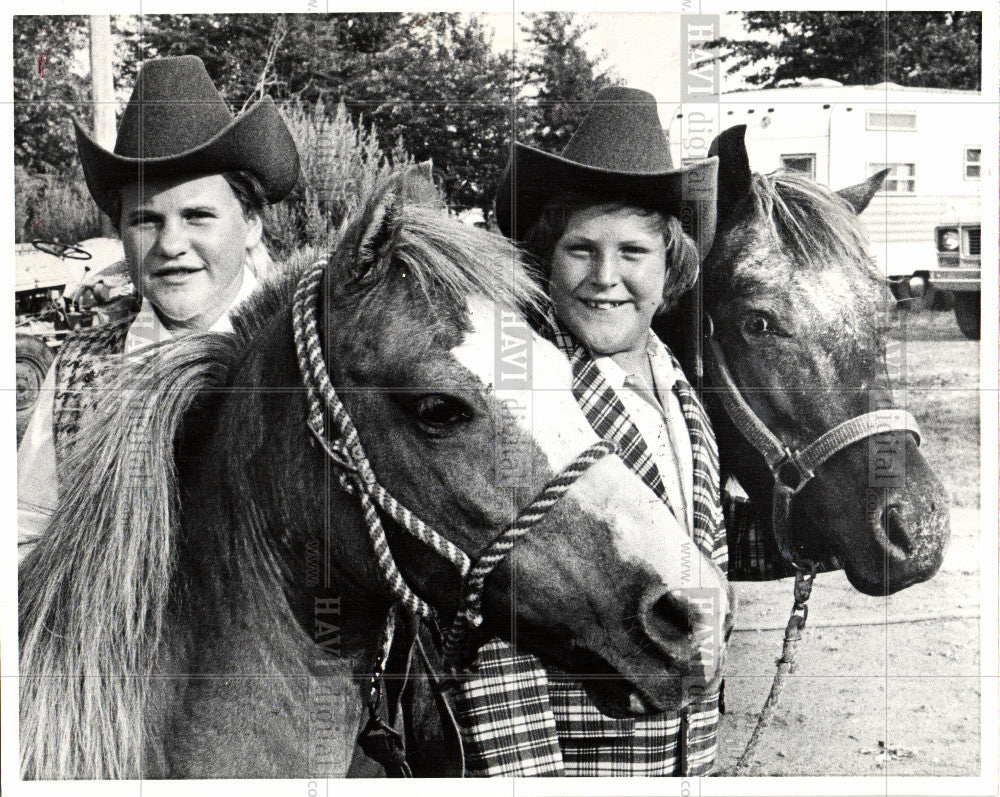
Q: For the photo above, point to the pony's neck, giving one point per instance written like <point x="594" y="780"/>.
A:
<point x="285" y="622"/>
<point x="265" y="699"/>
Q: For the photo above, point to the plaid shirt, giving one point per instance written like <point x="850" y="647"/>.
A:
<point x="516" y="718"/>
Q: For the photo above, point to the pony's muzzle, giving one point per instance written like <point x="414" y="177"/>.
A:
<point x="909" y="531"/>
<point x="688" y="627"/>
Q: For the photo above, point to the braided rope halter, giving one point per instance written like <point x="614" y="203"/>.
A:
<point x="356" y="477"/>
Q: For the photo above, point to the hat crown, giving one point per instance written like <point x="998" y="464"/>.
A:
<point x="621" y="133"/>
<point x="174" y="108"/>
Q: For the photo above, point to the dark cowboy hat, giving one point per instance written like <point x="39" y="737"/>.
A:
<point x="619" y="151"/>
<point x="176" y="123"/>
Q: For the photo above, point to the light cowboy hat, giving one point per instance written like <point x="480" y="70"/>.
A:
<point x="176" y="123"/>
<point x="618" y="152"/>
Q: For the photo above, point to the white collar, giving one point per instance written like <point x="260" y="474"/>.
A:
<point x="147" y="328"/>
<point x="665" y="375"/>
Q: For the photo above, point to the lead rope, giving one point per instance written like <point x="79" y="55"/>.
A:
<point x="379" y="740"/>
<point x="785" y="665"/>
<point x="455" y="647"/>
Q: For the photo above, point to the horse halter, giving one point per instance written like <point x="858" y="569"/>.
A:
<point x="794" y="468"/>
<point x="356" y="477"/>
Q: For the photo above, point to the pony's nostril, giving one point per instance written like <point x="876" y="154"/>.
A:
<point x="893" y="524"/>
<point x="675" y="613"/>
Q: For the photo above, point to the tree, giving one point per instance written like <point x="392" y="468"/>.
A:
<point x="445" y="95"/>
<point x="931" y="49"/>
<point x="563" y="77"/>
<point x="318" y="54"/>
<point x="429" y="81"/>
<point x="47" y="93"/>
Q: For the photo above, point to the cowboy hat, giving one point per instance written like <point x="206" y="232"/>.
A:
<point x="177" y="123"/>
<point x="619" y="151"/>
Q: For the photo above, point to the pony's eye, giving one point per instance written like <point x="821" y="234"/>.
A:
<point x="437" y="412"/>
<point x="757" y="324"/>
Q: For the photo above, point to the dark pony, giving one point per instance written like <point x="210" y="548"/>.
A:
<point x="799" y="311"/>
<point x="206" y="601"/>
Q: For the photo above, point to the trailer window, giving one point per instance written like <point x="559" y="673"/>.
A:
<point x="800" y="163"/>
<point x="973" y="157"/>
<point x="902" y="177"/>
<point x="891" y="120"/>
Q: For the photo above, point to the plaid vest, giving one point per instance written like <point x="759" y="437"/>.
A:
<point x="83" y="361"/>
<point x="517" y="719"/>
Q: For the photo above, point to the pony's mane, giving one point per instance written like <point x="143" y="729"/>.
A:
<point x="95" y="587"/>
<point x="272" y="296"/>
<point x="812" y="221"/>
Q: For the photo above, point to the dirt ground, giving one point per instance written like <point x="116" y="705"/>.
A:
<point x="884" y="686"/>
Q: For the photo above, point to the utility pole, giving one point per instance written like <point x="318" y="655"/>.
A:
<point x="102" y="92"/>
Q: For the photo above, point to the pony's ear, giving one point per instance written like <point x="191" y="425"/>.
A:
<point x="378" y="225"/>
<point x="418" y="188"/>
<point x="369" y="234"/>
<point x="858" y="196"/>
<point x="734" y="168"/>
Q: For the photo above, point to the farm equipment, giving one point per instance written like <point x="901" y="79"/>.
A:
<point x="58" y="289"/>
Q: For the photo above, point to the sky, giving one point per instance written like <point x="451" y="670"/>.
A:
<point x="643" y="47"/>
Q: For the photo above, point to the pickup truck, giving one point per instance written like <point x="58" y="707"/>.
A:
<point x="958" y="270"/>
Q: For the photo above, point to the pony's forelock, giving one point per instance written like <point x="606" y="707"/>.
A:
<point x="812" y="221"/>
<point x="452" y="261"/>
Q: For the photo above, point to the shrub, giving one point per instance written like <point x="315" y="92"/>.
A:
<point x="338" y="158"/>
<point x="53" y="207"/>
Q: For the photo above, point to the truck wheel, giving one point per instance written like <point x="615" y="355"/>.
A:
<point x="967" y="313"/>
<point x="33" y="361"/>
<point x="900" y="291"/>
<point x="937" y="299"/>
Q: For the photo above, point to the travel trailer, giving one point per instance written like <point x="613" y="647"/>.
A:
<point x="929" y="139"/>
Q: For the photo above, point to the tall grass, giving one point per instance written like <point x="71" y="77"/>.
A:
<point x="338" y="157"/>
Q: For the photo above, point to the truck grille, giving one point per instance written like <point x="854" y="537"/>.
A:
<point x="974" y="238"/>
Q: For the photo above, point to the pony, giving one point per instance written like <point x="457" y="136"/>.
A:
<point x="210" y="597"/>
<point x="787" y="326"/>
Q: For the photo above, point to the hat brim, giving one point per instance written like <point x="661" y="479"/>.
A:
<point x="533" y="177"/>
<point x="257" y="142"/>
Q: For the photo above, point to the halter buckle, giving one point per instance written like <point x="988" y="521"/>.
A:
<point x="790" y="465"/>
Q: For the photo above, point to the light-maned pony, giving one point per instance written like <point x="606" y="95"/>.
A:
<point x="206" y="601"/>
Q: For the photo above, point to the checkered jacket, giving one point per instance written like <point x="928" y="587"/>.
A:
<point x="82" y="364"/>
<point x="517" y="719"/>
